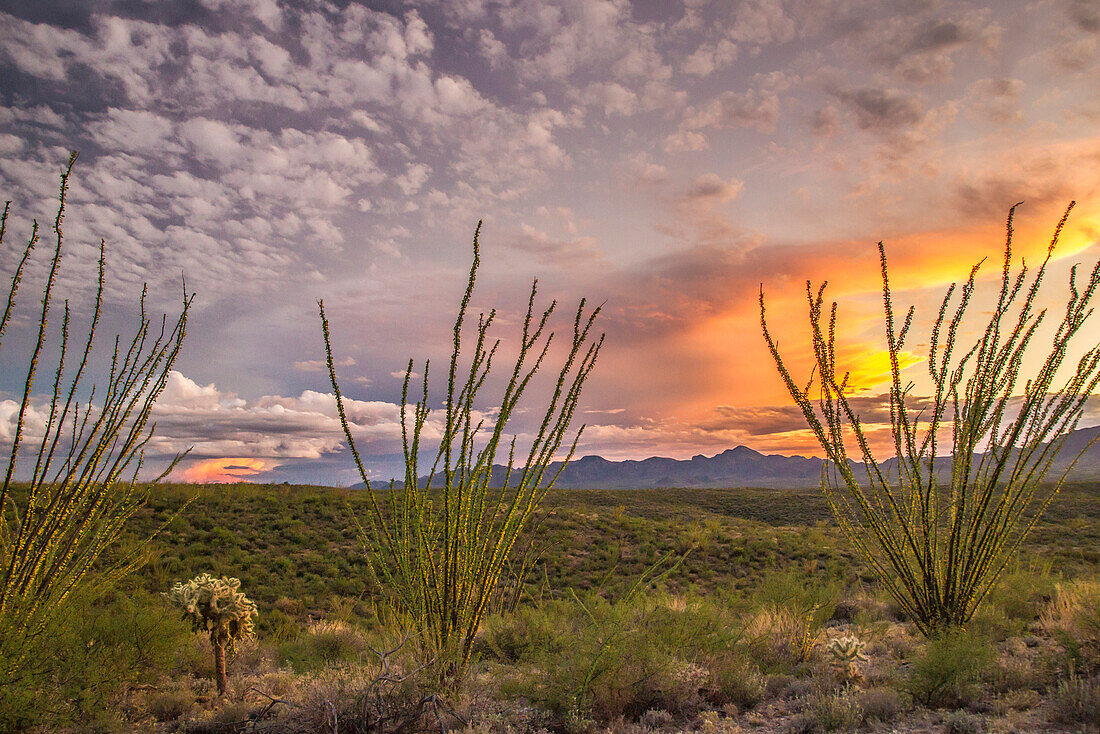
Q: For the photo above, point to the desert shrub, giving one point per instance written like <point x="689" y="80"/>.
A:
<point x="123" y="640"/>
<point x="438" y="546"/>
<point x="937" y="544"/>
<point x="231" y="717"/>
<point x="324" y="644"/>
<point x="1073" y="619"/>
<point x="170" y="705"/>
<point x="786" y="627"/>
<point x="1016" y="700"/>
<point x="836" y="711"/>
<point x="1016" y="602"/>
<point x="948" y="672"/>
<point x="880" y="704"/>
<point x="783" y="639"/>
<point x="961" y="722"/>
<point x="56" y="528"/>
<point x="390" y="693"/>
<point x="1018" y="673"/>
<point x="604" y="660"/>
<point x="91" y="654"/>
<point x="1076" y="700"/>
<point x="525" y="633"/>
<point x="1024" y="591"/>
<point x="733" y="679"/>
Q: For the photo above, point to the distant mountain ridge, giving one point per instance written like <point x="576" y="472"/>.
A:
<point x="744" y="467"/>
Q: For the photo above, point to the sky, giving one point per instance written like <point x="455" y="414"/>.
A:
<point x="664" y="159"/>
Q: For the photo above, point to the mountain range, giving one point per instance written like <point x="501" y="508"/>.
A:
<point x="744" y="467"/>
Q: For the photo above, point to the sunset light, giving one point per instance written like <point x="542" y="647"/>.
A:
<point x="666" y="160"/>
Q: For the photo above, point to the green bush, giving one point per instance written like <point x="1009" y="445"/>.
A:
<point x="1017" y="601"/>
<point x="734" y="679"/>
<point x="591" y="659"/>
<point x="324" y="645"/>
<point x="90" y="655"/>
<point x="948" y="672"/>
<point x="786" y="627"/>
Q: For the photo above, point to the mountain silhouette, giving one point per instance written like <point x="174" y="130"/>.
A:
<point x="744" y="467"/>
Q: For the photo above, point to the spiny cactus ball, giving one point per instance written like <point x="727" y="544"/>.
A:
<point x="216" y="605"/>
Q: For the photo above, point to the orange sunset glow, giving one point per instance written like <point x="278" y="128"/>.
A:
<point x="225" y="470"/>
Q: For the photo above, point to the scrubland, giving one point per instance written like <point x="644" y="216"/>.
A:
<point x="645" y="611"/>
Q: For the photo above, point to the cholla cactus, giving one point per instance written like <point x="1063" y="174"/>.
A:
<point x="847" y="649"/>
<point x="848" y="653"/>
<point x="216" y="606"/>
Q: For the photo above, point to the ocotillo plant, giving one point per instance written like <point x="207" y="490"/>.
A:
<point x="438" y="545"/>
<point x="82" y="486"/>
<point x="217" y="607"/>
<point x="939" y="546"/>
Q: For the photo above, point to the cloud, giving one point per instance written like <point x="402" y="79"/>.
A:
<point x="581" y="34"/>
<point x="262" y="129"/>
<point x="685" y="140"/>
<point x="491" y="48"/>
<point x="320" y="365"/>
<point x="757" y="108"/>
<point x="919" y="45"/>
<point x="883" y="109"/>
<point x="614" y="98"/>
<point x="762" y="22"/>
<point x="216" y="424"/>
<point x="1085" y="14"/>
<point x="540" y="245"/>
<point x="711" y="188"/>
<point x="710" y="57"/>
<point x="640" y="169"/>
<point x="826" y="121"/>
<point x="996" y="100"/>
<point x="413" y="179"/>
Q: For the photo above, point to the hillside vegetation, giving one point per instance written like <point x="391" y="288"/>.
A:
<point x="645" y="611"/>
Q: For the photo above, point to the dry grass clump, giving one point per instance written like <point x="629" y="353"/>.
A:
<point x="961" y="722"/>
<point x="1076" y="700"/>
<point x="1073" y="619"/>
<point x="170" y="705"/>
<point x="837" y="711"/>
<point x="323" y="644"/>
<point x="881" y="704"/>
<point x="784" y="637"/>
